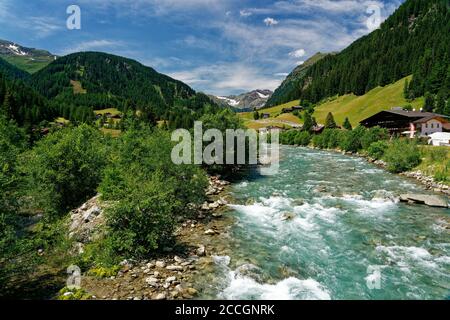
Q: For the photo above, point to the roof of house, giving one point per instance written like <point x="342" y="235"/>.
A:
<point x="426" y="119"/>
<point x="417" y="115"/>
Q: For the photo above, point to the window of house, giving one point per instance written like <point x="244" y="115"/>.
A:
<point x="426" y="125"/>
<point x="432" y="126"/>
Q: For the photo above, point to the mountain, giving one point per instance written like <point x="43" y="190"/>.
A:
<point x="11" y="72"/>
<point x="414" y="40"/>
<point x="18" y="101"/>
<point x="98" y="80"/>
<point x="245" y="101"/>
<point x="26" y="59"/>
<point x="287" y="90"/>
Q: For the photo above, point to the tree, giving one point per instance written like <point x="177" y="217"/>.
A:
<point x="256" y="115"/>
<point x="428" y="105"/>
<point x="406" y="89"/>
<point x="347" y="125"/>
<point x="440" y="103"/>
<point x="149" y="192"/>
<point x="65" y="168"/>
<point x="308" y="124"/>
<point x="329" y="122"/>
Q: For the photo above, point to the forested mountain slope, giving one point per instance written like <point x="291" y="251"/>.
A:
<point x="111" y="81"/>
<point x="414" y="40"/>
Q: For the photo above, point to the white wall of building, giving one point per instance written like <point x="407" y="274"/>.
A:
<point x="430" y="127"/>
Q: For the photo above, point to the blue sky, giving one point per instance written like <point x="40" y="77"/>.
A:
<point x="216" y="46"/>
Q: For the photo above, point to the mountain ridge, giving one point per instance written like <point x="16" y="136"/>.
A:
<point x="27" y="59"/>
<point x="413" y="40"/>
<point x="254" y="99"/>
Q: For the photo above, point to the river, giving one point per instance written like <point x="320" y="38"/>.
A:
<point x="328" y="226"/>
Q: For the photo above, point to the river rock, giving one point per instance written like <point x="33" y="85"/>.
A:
<point x="159" y="296"/>
<point x="174" y="268"/>
<point x="201" y="251"/>
<point x="152" y="281"/>
<point x="160" y="264"/>
<point x="171" y="279"/>
<point x="288" y="216"/>
<point x="429" y="200"/>
<point x="210" y="232"/>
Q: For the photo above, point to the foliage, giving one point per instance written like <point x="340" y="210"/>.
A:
<point x="402" y="155"/>
<point x="414" y="40"/>
<point x="149" y="192"/>
<point x="329" y="122"/>
<point x="308" y="122"/>
<point x="73" y="294"/>
<point x="65" y="168"/>
<point x="377" y="149"/>
<point x="295" y="137"/>
<point x="104" y="272"/>
<point x="347" y="125"/>
<point x="372" y="135"/>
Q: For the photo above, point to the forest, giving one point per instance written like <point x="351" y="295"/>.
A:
<point x="415" y="40"/>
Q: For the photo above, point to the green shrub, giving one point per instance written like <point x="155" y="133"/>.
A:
<point x="402" y="155"/>
<point x="302" y="138"/>
<point x="377" y="149"/>
<point x="351" y="140"/>
<point x="65" y="168"/>
<point x="104" y="272"/>
<point x="373" y="135"/>
<point x="73" y="294"/>
<point x="149" y="193"/>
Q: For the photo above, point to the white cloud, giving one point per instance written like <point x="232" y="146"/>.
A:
<point x="299" y="63"/>
<point x="226" y="78"/>
<point x="94" y="45"/>
<point x="297" y="53"/>
<point x="245" y="13"/>
<point x="270" y="22"/>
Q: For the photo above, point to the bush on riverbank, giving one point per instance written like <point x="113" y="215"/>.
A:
<point x="149" y="192"/>
<point x="402" y="155"/>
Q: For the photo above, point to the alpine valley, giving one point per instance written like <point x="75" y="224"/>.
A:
<point x="93" y="205"/>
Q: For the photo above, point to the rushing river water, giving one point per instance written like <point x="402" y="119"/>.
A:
<point x="328" y="226"/>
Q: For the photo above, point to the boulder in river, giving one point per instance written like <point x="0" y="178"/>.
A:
<point x="429" y="200"/>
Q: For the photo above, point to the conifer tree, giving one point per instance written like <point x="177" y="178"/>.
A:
<point x="330" y="123"/>
<point x="347" y="125"/>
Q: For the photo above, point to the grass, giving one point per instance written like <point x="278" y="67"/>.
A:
<point x="274" y="111"/>
<point x="112" y="111"/>
<point x="112" y="132"/>
<point x="356" y="108"/>
<point x="77" y="87"/>
<point x="289" y="117"/>
<point x="359" y="108"/>
<point x="435" y="163"/>
<point x="26" y="63"/>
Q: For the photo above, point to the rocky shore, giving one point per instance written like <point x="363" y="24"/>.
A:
<point x="171" y="276"/>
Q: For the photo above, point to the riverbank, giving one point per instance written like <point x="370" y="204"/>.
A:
<point x="173" y="274"/>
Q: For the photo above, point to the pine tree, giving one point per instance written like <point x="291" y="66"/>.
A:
<point x="347" y="125"/>
<point x="406" y="89"/>
<point x="330" y="123"/>
<point x="308" y="124"/>
<point x="256" y="115"/>
<point x="428" y="105"/>
<point x="440" y="103"/>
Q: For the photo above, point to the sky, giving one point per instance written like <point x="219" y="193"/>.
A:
<point x="220" y="47"/>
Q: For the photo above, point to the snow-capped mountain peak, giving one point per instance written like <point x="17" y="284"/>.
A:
<point x="255" y="99"/>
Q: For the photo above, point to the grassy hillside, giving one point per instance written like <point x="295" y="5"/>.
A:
<point x="356" y="108"/>
<point x="359" y="108"/>
<point x="30" y="65"/>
